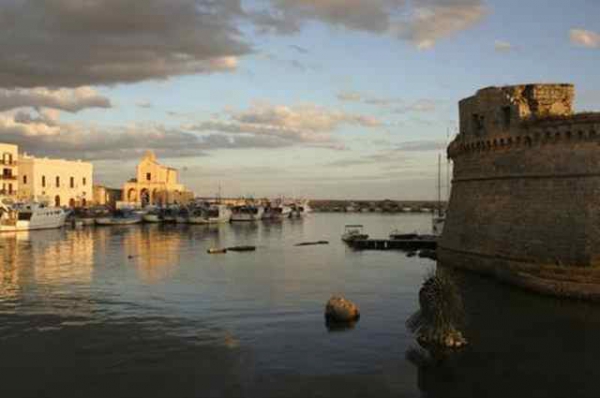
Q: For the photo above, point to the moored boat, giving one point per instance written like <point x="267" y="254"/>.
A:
<point x="353" y="232"/>
<point x="120" y="218"/>
<point x="30" y="216"/>
<point x="247" y="213"/>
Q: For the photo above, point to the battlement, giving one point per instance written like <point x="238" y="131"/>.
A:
<point x="497" y="110"/>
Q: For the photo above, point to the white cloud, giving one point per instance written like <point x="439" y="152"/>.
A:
<point x="301" y="124"/>
<point x="585" y="38"/>
<point x="502" y="46"/>
<point x="71" y="100"/>
<point x="433" y="20"/>
<point x="422" y="22"/>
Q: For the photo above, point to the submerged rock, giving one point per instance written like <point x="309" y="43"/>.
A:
<point x="340" y="310"/>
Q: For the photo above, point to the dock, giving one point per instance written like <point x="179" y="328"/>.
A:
<point x="394" y="244"/>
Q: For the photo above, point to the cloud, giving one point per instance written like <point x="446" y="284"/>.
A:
<point x="70" y="100"/>
<point x="421" y="146"/>
<point x="67" y="43"/>
<point x="353" y="96"/>
<point x="301" y="124"/>
<point x="144" y="104"/>
<point x="502" y="46"/>
<point x="299" y="49"/>
<point x="41" y="132"/>
<point x="585" y="38"/>
<point x="422" y="106"/>
<point x="433" y="20"/>
<point x="422" y="22"/>
<point x="349" y="96"/>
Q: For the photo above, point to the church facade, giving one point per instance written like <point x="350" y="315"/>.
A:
<point x="155" y="184"/>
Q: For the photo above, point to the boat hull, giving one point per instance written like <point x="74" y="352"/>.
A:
<point x="116" y="221"/>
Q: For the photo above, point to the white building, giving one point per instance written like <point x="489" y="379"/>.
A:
<point x="9" y="182"/>
<point x="56" y="181"/>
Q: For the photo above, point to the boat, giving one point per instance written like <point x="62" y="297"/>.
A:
<point x="353" y="232"/>
<point x="247" y="213"/>
<point x="276" y="213"/>
<point x="170" y="213"/>
<point x="300" y="209"/>
<point x="182" y="215"/>
<point x="30" y="216"/>
<point x="153" y="216"/>
<point x="197" y="215"/>
<point x="120" y="217"/>
<point x="216" y="250"/>
<point x="218" y="214"/>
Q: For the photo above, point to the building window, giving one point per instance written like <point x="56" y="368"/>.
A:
<point x="148" y="176"/>
<point x="84" y="181"/>
<point x="72" y="182"/>
<point x="10" y="190"/>
<point x="44" y="181"/>
<point x="57" y="182"/>
<point x="24" y="179"/>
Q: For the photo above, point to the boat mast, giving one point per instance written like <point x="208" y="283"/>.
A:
<point x="439" y="183"/>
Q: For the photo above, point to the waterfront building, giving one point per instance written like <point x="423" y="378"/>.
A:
<point x="9" y="182"/>
<point x="524" y="204"/>
<point x="58" y="182"/>
<point x="105" y="196"/>
<point x="155" y="184"/>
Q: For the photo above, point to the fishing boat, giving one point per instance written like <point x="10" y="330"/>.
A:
<point x="300" y="209"/>
<point x="197" y="215"/>
<point x="247" y="213"/>
<point x="277" y="213"/>
<point x="153" y="216"/>
<point x="353" y="232"/>
<point x="120" y="217"/>
<point x="218" y="214"/>
<point x="30" y="216"/>
<point x="182" y="215"/>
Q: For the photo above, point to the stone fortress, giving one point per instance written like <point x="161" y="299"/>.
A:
<point x="525" y="202"/>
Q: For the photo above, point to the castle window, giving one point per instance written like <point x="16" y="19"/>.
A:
<point x="57" y="182"/>
<point x="84" y="181"/>
<point x="24" y="179"/>
<point x="506" y="116"/>
<point x="44" y="181"/>
<point x="148" y="177"/>
<point x="72" y="182"/>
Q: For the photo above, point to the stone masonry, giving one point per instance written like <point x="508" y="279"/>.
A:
<point x="526" y="184"/>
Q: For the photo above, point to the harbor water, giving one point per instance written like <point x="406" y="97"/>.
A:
<point x="144" y="311"/>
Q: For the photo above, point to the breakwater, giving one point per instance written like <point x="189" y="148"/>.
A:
<point x="524" y="204"/>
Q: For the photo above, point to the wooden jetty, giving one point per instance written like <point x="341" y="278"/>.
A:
<point x="394" y="244"/>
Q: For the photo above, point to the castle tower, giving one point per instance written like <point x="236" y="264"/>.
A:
<point x="526" y="183"/>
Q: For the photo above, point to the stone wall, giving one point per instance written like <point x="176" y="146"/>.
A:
<point x="526" y="191"/>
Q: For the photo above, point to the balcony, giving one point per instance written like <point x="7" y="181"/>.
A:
<point x="6" y="177"/>
<point x="7" y="192"/>
<point x="8" y="162"/>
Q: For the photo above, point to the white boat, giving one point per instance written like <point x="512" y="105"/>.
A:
<point x="30" y="216"/>
<point x="247" y="213"/>
<point x="170" y="214"/>
<point x="152" y="217"/>
<point x="120" y="218"/>
<point x="300" y="209"/>
<point x="197" y="215"/>
<point x="354" y="232"/>
<point x="218" y="214"/>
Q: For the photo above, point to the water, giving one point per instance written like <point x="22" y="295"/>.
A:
<point x="144" y="311"/>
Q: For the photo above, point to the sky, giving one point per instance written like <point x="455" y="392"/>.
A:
<point x="325" y="99"/>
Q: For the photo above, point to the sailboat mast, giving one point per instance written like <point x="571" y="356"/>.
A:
<point x="439" y="183"/>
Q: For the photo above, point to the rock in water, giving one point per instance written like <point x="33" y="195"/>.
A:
<point x="340" y="310"/>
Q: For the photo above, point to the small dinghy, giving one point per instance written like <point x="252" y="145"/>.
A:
<point x="216" y="250"/>
<point x="242" y="248"/>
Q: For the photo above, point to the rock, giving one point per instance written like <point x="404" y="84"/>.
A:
<point x="340" y="310"/>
